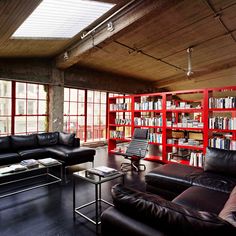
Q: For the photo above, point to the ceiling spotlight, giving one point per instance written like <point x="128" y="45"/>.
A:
<point x="110" y="26"/>
<point x="66" y="57"/>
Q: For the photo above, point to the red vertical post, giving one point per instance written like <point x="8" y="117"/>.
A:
<point x="13" y="104"/>
<point x="85" y="115"/>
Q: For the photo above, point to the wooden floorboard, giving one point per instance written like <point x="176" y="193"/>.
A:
<point x="47" y="211"/>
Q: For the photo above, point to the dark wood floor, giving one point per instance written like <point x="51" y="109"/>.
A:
<point x="47" y="211"/>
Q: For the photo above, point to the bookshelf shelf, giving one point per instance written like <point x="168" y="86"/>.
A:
<point x="186" y="146"/>
<point x="201" y="112"/>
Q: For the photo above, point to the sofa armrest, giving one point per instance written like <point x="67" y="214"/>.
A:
<point x="167" y="216"/>
<point x="76" y="142"/>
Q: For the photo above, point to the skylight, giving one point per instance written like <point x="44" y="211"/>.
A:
<point x="61" y="18"/>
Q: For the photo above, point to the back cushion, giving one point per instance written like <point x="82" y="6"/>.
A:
<point x="220" y="161"/>
<point x="66" y="139"/>
<point x="168" y="216"/>
<point x="23" y="141"/>
<point x="48" y="139"/>
<point x="4" y="143"/>
<point x="228" y="213"/>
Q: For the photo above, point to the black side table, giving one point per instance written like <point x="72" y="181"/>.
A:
<point x="97" y="181"/>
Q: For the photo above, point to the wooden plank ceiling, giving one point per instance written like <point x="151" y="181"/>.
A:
<point x="154" y="50"/>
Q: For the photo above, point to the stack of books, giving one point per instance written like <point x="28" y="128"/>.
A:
<point x="102" y="171"/>
<point x="12" y="168"/>
<point x="48" y="161"/>
<point x="31" y="163"/>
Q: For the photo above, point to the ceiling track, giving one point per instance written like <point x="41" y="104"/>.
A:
<point x="217" y="16"/>
<point x="138" y="51"/>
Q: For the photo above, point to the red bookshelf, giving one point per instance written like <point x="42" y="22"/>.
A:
<point x="172" y="116"/>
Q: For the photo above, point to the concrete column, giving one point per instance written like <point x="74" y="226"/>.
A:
<point x="56" y="100"/>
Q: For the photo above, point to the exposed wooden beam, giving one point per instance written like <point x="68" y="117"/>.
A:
<point x="213" y="68"/>
<point x="126" y="20"/>
<point x="88" y="78"/>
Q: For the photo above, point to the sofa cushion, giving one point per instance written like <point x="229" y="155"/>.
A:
<point x="35" y="153"/>
<point x="5" y="143"/>
<point x="168" y="216"/>
<point x="215" y="181"/>
<point x="198" y="198"/>
<point x="48" y="139"/>
<point x="23" y="141"/>
<point x="72" y="155"/>
<point x="66" y="139"/>
<point x="173" y="177"/>
<point x="7" y="158"/>
<point x="220" y="161"/>
<point x="228" y="212"/>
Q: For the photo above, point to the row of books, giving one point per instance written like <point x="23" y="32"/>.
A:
<point x="196" y="159"/>
<point x="119" y="121"/>
<point x="184" y="141"/>
<point x="188" y="124"/>
<point x="147" y="121"/>
<point x="120" y="106"/>
<point x="116" y="134"/>
<point x="155" y="137"/>
<point x="228" y="102"/>
<point x="222" y="123"/>
<point x="222" y="143"/>
<point x="180" y="105"/>
<point x="148" y="105"/>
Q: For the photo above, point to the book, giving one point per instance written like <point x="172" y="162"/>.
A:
<point x="31" y="163"/>
<point x="12" y="168"/>
<point x="102" y="171"/>
<point x="48" y="161"/>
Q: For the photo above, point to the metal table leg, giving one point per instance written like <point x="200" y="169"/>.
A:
<point x="74" y="199"/>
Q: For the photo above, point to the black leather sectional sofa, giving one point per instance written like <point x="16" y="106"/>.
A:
<point x="61" y="146"/>
<point x="190" y="201"/>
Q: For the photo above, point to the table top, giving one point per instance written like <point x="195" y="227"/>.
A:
<point x="40" y="166"/>
<point x="96" y="179"/>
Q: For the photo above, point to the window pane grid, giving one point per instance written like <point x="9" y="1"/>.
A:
<point x="31" y="108"/>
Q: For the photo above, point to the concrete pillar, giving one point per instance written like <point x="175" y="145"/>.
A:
<point x="56" y="100"/>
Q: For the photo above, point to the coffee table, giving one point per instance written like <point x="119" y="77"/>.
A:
<point x="97" y="181"/>
<point x="21" y="181"/>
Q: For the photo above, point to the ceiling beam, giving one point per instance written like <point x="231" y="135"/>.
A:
<point x="213" y="68"/>
<point x="124" y="21"/>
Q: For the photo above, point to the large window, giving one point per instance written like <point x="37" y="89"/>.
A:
<point x="85" y="113"/>
<point x="5" y="107"/>
<point x="23" y="108"/>
<point x="31" y="108"/>
<point x="74" y="112"/>
<point x="96" y="117"/>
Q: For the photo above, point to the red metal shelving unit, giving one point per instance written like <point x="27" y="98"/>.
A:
<point x="201" y="110"/>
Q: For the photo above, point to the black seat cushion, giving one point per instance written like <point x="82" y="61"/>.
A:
<point x="66" y="139"/>
<point x="48" y="139"/>
<point x="35" y="153"/>
<point x="168" y="216"/>
<point x="72" y="155"/>
<point x="5" y="144"/>
<point x="215" y="181"/>
<point x="23" y="141"/>
<point x="173" y="177"/>
<point x="220" y="161"/>
<point x="228" y="212"/>
<point x="199" y="198"/>
<point x="9" y="158"/>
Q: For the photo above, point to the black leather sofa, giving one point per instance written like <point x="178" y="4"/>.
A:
<point x="59" y="145"/>
<point x="193" y="201"/>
